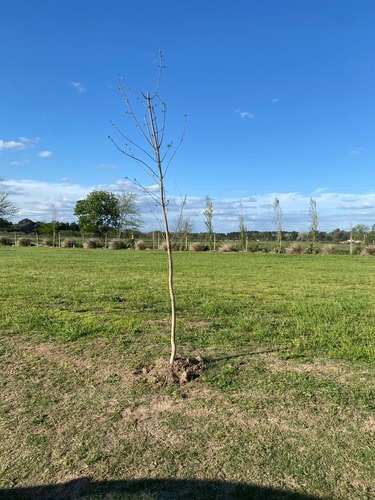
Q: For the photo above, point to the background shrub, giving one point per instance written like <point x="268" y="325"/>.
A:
<point x="163" y="246"/>
<point x="228" y="248"/>
<point x="47" y="242"/>
<point x="253" y="247"/>
<point x="24" y="242"/>
<point x="140" y="245"/>
<point x="370" y="250"/>
<point x="198" y="247"/>
<point x="329" y="249"/>
<point x="294" y="248"/>
<point x="92" y="243"/>
<point x="5" y="241"/>
<point x="69" y="243"/>
<point x="117" y="244"/>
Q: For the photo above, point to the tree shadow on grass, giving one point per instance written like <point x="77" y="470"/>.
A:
<point x="150" y="489"/>
<point x="248" y="354"/>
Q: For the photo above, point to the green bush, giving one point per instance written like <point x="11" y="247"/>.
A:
<point x="5" y="241"/>
<point x="47" y="242"/>
<point x="369" y="250"/>
<point x="117" y="244"/>
<point x="92" y="243"/>
<point x="253" y="247"/>
<point x="24" y="242"/>
<point x="140" y="245"/>
<point x="69" y="243"/>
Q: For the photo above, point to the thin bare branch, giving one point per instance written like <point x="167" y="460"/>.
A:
<point x="177" y="147"/>
<point x="125" y="138"/>
<point x="164" y="111"/>
<point x="160" y="70"/>
<point x="131" y="113"/>
<point x="138" y="161"/>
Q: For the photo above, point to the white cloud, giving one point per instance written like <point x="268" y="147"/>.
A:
<point x="244" y="114"/>
<point x="20" y="145"/>
<point x="79" y="87"/>
<point x="11" y="145"/>
<point x="355" y="152"/>
<point x="45" y="154"/>
<point x="275" y="100"/>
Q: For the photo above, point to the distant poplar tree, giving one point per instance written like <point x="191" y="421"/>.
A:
<point x="313" y="226"/>
<point x="242" y="229"/>
<point x="208" y="213"/>
<point x="277" y="224"/>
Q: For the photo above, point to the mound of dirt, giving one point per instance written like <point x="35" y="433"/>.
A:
<point x="183" y="370"/>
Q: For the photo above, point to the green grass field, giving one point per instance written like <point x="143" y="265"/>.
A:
<point x="285" y="407"/>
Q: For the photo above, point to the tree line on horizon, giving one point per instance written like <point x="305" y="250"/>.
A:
<point x="102" y="213"/>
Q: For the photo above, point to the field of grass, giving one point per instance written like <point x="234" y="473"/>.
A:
<point x="285" y="406"/>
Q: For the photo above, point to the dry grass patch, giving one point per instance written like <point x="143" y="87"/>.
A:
<point x="227" y="248"/>
<point x="295" y="248"/>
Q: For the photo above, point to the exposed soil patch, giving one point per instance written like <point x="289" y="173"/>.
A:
<point x="183" y="370"/>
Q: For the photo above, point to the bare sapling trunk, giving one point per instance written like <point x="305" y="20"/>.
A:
<point x="151" y="158"/>
<point x="166" y="229"/>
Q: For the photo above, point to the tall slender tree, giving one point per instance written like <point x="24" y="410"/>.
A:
<point x="208" y="213"/>
<point x="242" y="229"/>
<point x="277" y="224"/>
<point x="154" y="157"/>
<point x="313" y="226"/>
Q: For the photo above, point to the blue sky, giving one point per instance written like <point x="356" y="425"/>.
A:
<point x="279" y="97"/>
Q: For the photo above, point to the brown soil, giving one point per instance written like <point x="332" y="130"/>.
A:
<point x="183" y="370"/>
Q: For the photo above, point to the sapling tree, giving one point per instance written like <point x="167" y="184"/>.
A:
<point x="313" y="225"/>
<point x="129" y="213"/>
<point x="208" y="213"/>
<point x="360" y="231"/>
<point x="242" y="229"/>
<point x="277" y="224"/>
<point x="182" y="227"/>
<point x="154" y="157"/>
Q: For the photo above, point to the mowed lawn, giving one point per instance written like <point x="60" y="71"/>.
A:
<point x="284" y="408"/>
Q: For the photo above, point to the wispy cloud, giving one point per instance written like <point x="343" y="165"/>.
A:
<point x="29" y="142"/>
<point x="244" y="114"/>
<point x="15" y="163"/>
<point x="275" y="100"/>
<point x="79" y="87"/>
<point x="355" y="152"/>
<point x="68" y="180"/>
<point x="361" y="206"/>
<point x="45" y="154"/>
